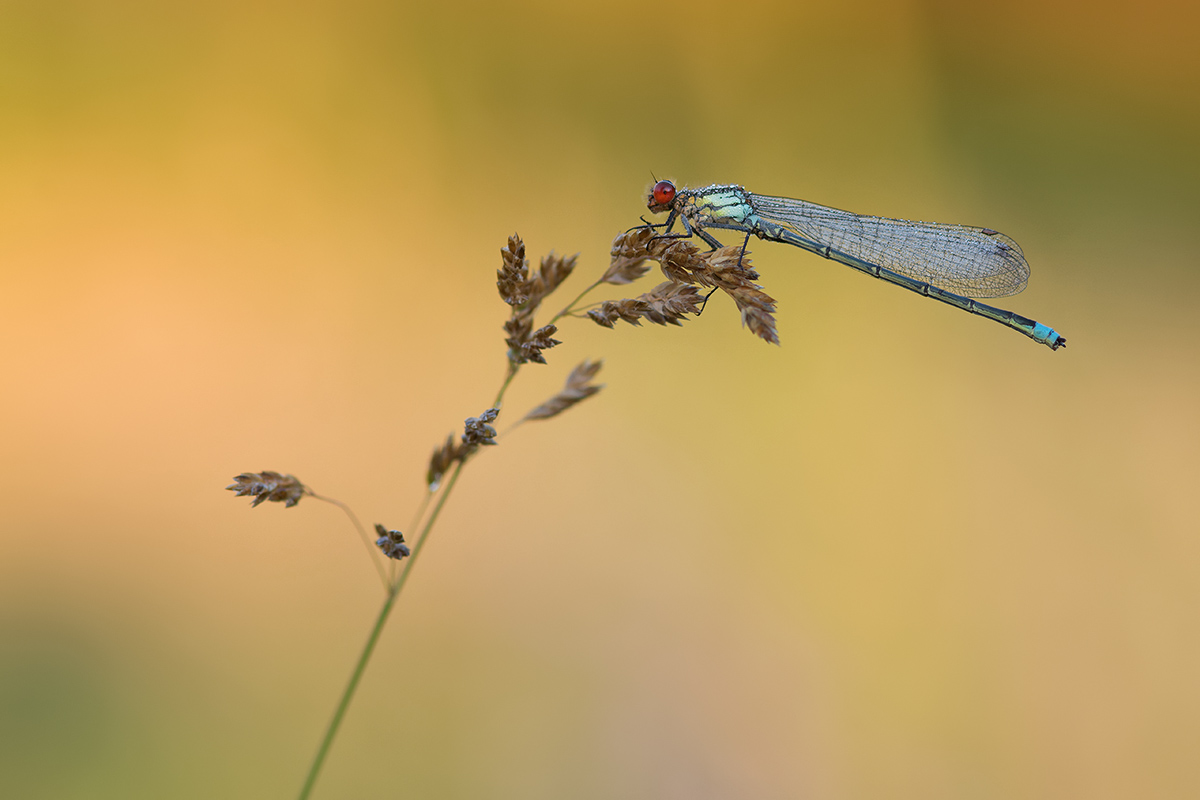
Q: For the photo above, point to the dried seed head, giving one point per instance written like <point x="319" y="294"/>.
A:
<point x="669" y="302"/>
<point x="759" y="319"/>
<point x="479" y="431"/>
<point x="267" y="485"/>
<point x="525" y="293"/>
<point x="553" y="271"/>
<point x="678" y="258"/>
<point x="512" y="279"/>
<point x="730" y="261"/>
<point x="391" y="543"/>
<point x="728" y="269"/>
<point x="578" y="387"/>
<point x="630" y="310"/>
<point x="442" y="459"/>
<point x="629" y="257"/>
<point x="665" y="304"/>
<point x="519" y="329"/>
<point x="538" y="341"/>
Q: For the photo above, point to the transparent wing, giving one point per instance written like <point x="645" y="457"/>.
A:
<point x="973" y="262"/>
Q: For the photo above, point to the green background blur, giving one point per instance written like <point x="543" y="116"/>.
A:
<point x="907" y="554"/>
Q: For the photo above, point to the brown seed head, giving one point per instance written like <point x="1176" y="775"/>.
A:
<point x="665" y="304"/>
<point x="539" y="340"/>
<point x="442" y="459"/>
<point x="553" y="271"/>
<point x="578" y="387"/>
<point x="512" y="279"/>
<point x="479" y="431"/>
<point x="391" y="543"/>
<point x="629" y="257"/>
<point x="268" y="485"/>
<point x="728" y="269"/>
<point x="525" y="293"/>
<point x="630" y="310"/>
<point x="669" y="302"/>
<point x="519" y="329"/>
<point x="678" y="258"/>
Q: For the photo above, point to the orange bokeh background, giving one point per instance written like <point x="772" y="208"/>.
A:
<point x="908" y="553"/>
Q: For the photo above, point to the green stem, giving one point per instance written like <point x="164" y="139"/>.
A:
<point x="512" y="373"/>
<point x="397" y="584"/>
<point x="372" y="550"/>
<point x="416" y="520"/>
<point x="570" y="306"/>
<point x="361" y="666"/>
<point x="420" y="543"/>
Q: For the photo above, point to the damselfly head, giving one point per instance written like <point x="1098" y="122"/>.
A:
<point x="661" y="196"/>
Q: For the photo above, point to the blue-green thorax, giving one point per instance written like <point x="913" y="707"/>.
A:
<point x="717" y="206"/>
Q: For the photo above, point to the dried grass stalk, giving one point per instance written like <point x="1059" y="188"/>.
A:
<point x="525" y="292"/>
<point x="578" y="387"/>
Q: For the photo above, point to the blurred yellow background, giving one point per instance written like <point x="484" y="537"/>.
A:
<point x="908" y="554"/>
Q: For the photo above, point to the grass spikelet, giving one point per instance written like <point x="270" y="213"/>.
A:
<point x="629" y="257"/>
<point x="728" y="269"/>
<point x="479" y="431"/>
<point x="538" y="341"/>
<point x="391" y="543"/>
<point x="552" y="272"/>
<point x="269" y="486"/>
<point x="578" y="387"/>
<point x="666" y="304"/>
<point x="519" y="329"/>
<point x="679" y="259"/>
<point x="442" y="459"/>
<point x="512" y="279"/>
<point x="670" y="301"/>
<point x="610" y="311"/>
<point x="525" y="292"/>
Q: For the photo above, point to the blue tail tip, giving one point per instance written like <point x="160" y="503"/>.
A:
<point x="1048" y="336"/>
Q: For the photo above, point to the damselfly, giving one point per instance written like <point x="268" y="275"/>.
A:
<point x="951" y="263"/>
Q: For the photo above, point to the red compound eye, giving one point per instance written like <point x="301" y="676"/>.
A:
<point x="663" y="193"/>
